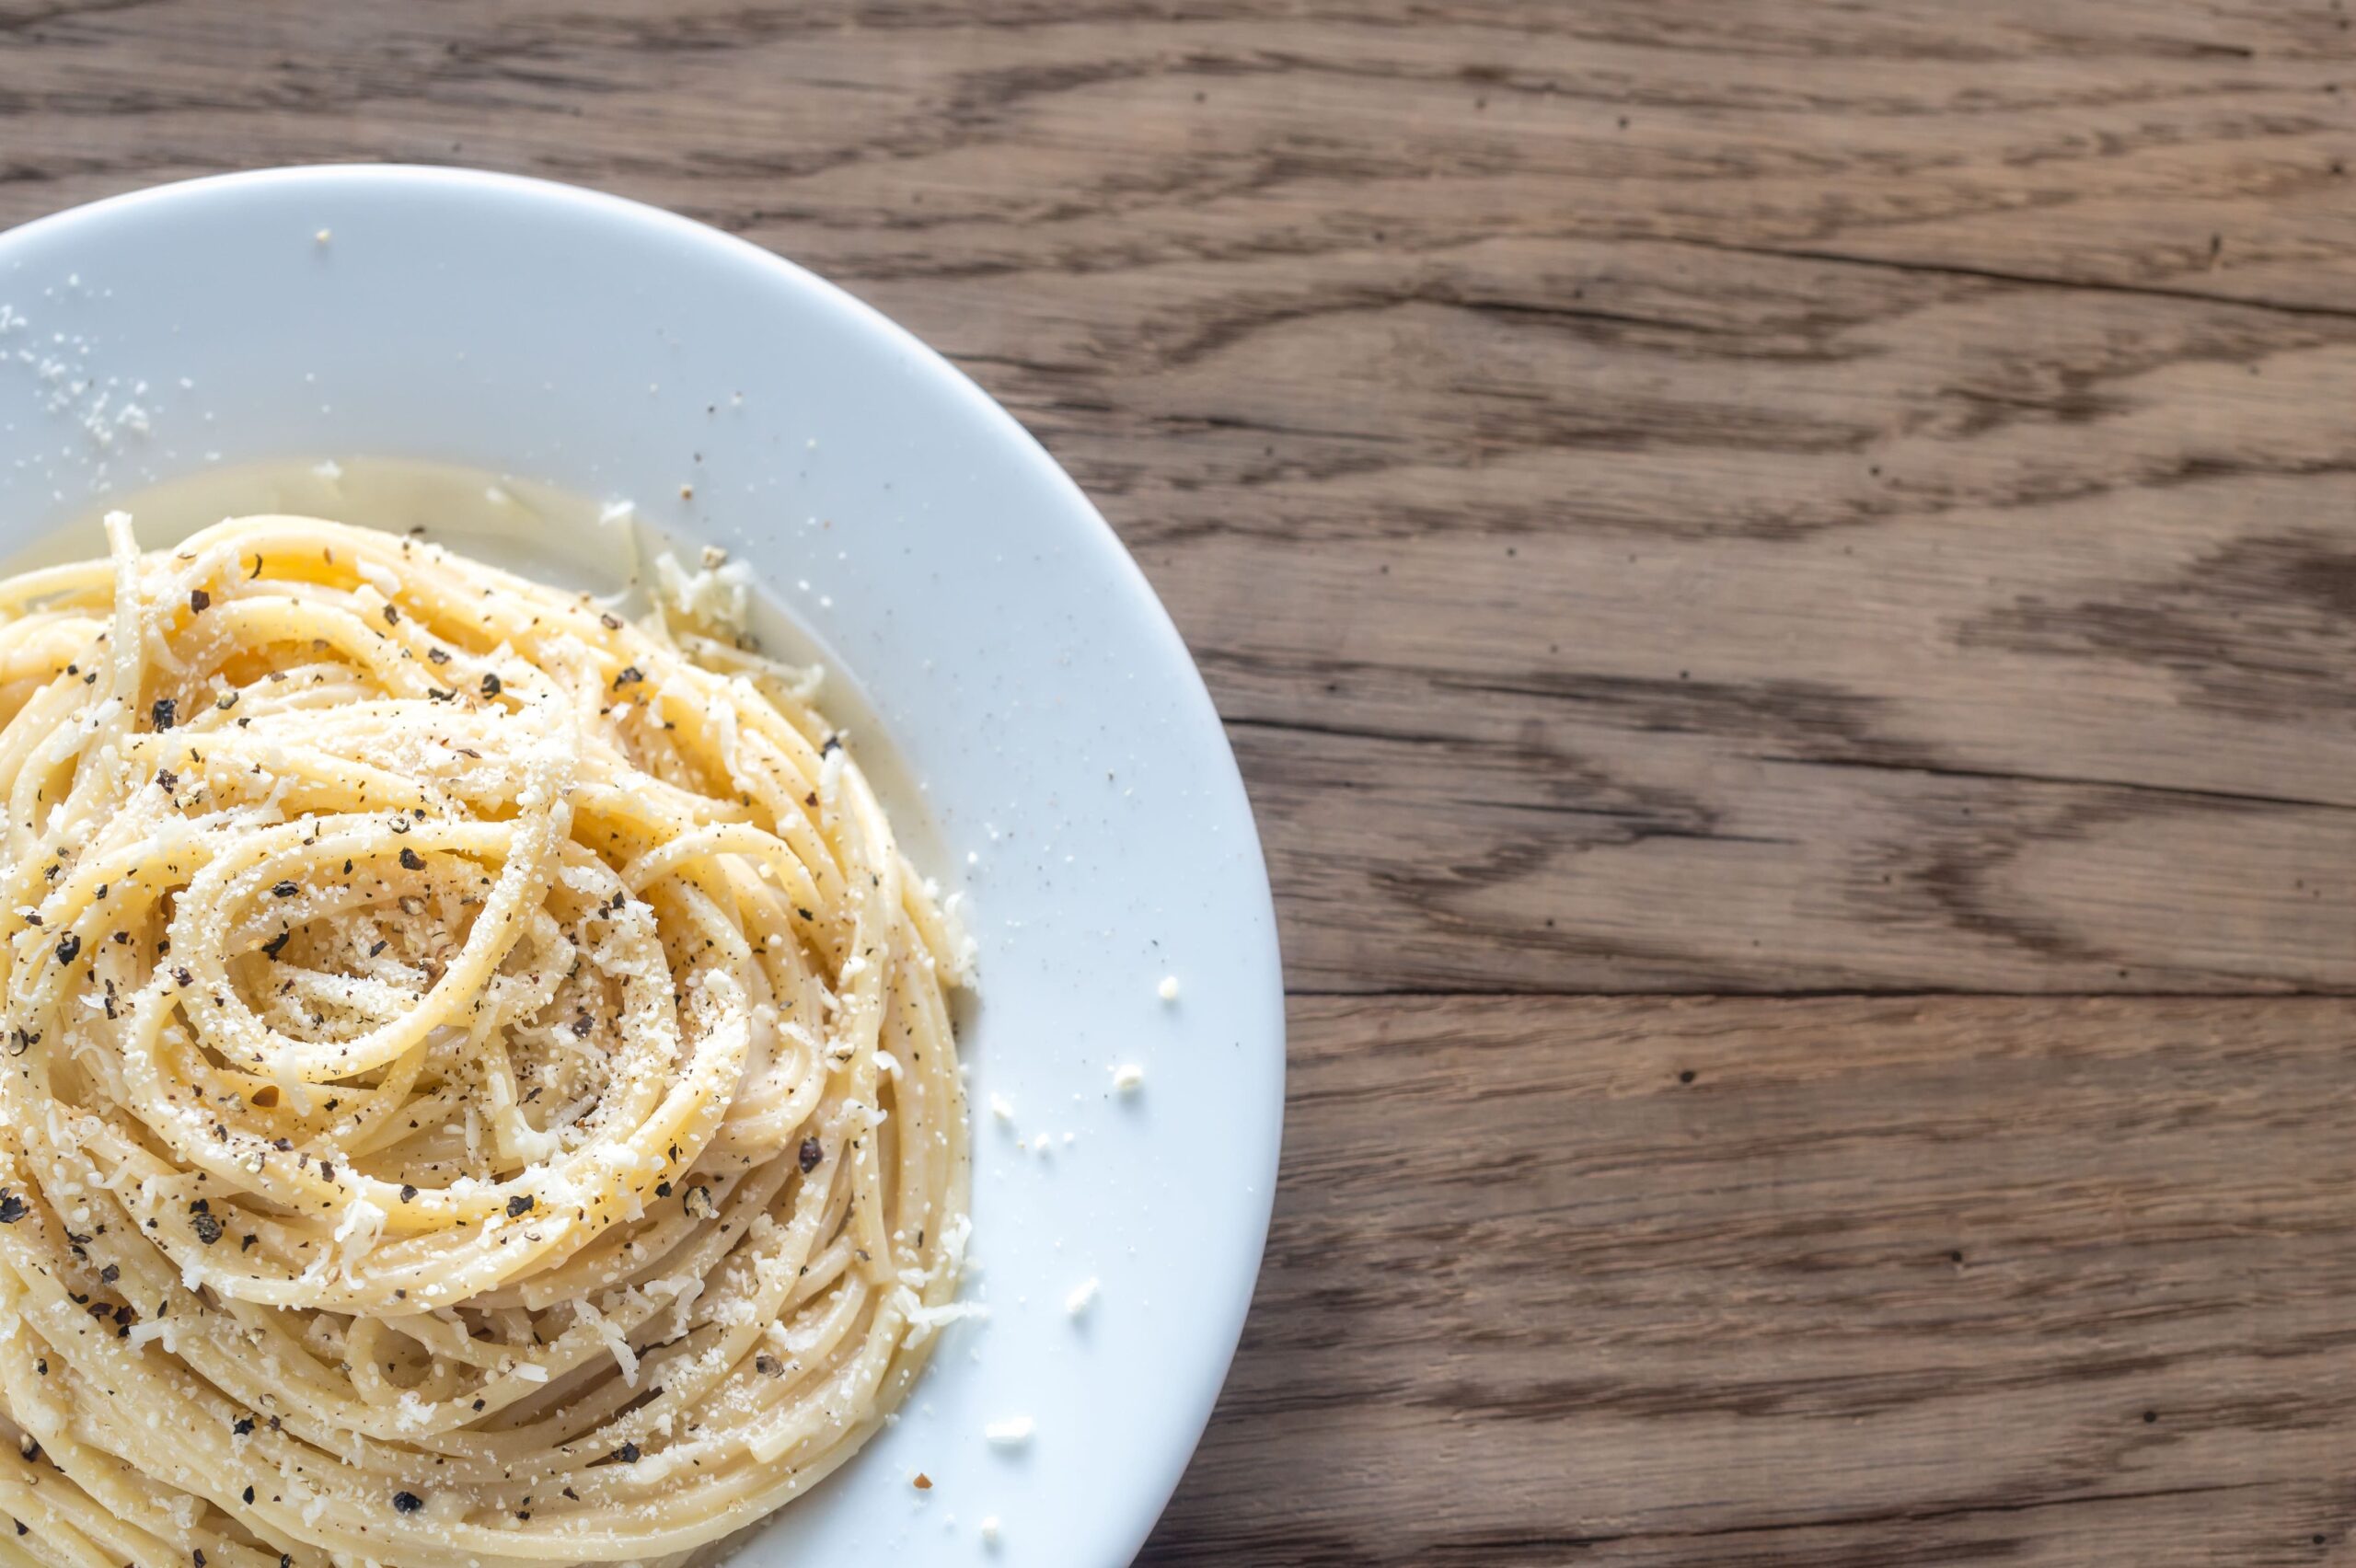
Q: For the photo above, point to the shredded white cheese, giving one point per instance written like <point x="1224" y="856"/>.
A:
<point x="1013" y="1433"/>
<point x="616" y="1341"/>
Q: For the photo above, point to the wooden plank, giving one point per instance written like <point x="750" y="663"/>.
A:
<point x="1887" y="1280"/>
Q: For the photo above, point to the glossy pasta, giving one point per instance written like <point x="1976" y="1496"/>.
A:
<point x="479" y="1087"/>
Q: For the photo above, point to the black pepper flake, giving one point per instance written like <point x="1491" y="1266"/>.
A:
<point x="520" y="1204"/>
<point x="197" y="1556"/>
<point x="163" y="712"/>
<point x="69" y="946"/>
<point x="812" y="1153"/>
<point x="627" y="1453"/>
<point x="629" y="674"/>
<point x="377" y="948"/>
<point x="199" y="600"/>
<point x="247" y="1242"/>
<point x="392" y="616"/>
<point x="411" y="860"/>
<point x="407" y="1502"/>
<point x="766" y="1366"/>
<point x="409" y="1193"/>
<point x="183" y="976"/>
<point x="166" y="780"/>
<point x="327" y="1170"/>
<point x="243" y="1426"/>
<point x="581" y="1026"/>
<point x="109" y="1274"/>
<point x="805" y="914"/>
<point x="250" y="1493"/>
<point x="257" y="571"/>
<point x="491" y="685"/>
<point x="207" y="1228"/>
<point x="284" y="1145"/>
<point x="439" y="655"/>
<point x="276" y="944"/>
<point x="284" y="890"/>
<point x="12" y="1207"/>
<point x="832" y="746"/>
<point x="661" y="1189"/>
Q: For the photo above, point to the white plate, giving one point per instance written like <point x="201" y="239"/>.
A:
<point x="1021" y="667"/>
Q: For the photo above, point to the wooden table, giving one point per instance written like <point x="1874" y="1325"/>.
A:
<point x="1783" y="579"/>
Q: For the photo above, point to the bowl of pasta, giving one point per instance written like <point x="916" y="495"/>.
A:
<point x="629" y="936"/>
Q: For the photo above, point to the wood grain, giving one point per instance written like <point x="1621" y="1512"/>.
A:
<point x="1715" y="496"/>
<point x="1833" y="1281"/>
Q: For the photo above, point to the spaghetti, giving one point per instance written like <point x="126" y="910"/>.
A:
<point x="479" y="1085"/>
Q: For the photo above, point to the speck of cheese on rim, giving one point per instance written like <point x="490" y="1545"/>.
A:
<point x="1012" y="1433"/>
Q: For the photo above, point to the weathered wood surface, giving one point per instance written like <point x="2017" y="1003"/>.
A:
<point x="1888" y="1281"/>
<point x="1703" y="496"/>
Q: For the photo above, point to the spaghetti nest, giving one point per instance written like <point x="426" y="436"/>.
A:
<point x="478" y="1084"/>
